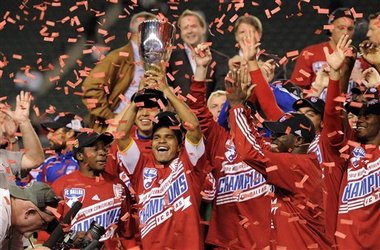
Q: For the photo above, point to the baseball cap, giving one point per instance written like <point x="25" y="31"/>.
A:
<point x="340" y="12"/>
<point x="40" y="194"/>
<point x="370" y="100"/>
<point x="295" y="123"/>
<point x="170" y="120"/>
<point x="88" y="139"/>
<point x="150" y="97"/>
<point x="66" y="120"/>
<point x="313" y="102"/>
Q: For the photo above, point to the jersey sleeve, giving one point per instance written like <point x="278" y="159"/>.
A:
<point x="194" y="152"/>
<point x="265" y="96"/>
<point x="211" y="130"/>
<point x="130" y="157"/>
<point x="332" y="123"/>
<point x="293" y="172"/>
<point x="112" y="162"/>
<point x="246" y="139"/>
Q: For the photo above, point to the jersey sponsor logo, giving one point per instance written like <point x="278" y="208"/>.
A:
<point x="105" y="219"/>
<point x="149" y="175"/>
<point x="72" y="195"/>
<point x="156" y="210"/>
<point x="357" y="154"/>
<point x="230" y="150"/>
<point x="362" y="188"/>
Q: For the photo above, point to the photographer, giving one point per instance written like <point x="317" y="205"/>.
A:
<point x="24" y="211"/>
<point x="102" y="195"/>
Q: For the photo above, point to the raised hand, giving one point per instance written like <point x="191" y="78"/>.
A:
<point x="155" y="78"/>
<point x="248" y="45"/>
<point x="371" y="78"/>
<point x="238" y="86"/>
<point x="202" y="55"/>
<point x="336" y="59"/>
<point x="370" y="52"/>
<point x="267" y="68"/>
<point x="21" y="112"/>
<point x="321" y="82"/>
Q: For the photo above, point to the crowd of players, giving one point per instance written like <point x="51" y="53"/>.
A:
<point x="207" y="151"/>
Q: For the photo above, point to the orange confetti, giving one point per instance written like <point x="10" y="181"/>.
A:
<point x="292" y="53"/>
<point x="340" y="235"/>
<point x="328" y="27"/>
<point x="271" y="168"/>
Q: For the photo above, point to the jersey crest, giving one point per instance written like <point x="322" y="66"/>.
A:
<point x="230" y="151"/>
<point x="318" y="66"/>
<point x="72" y="195"/>
<point x="357" y="154"/>
<point x="149" y="175"/>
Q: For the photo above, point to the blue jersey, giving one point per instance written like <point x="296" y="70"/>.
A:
<point x="54" y="167"/>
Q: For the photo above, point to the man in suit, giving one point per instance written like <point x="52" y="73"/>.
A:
<point x="182" y="65"/>
<point x="114" y="79"/>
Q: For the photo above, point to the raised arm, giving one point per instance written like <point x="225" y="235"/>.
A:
<point x="126" y="123"/>
<point x="188" y="118"/>
<point x="335" y="61"/>
<point x="262" y="90"/>
<point x="246" y="137"/>
<point x="34" y="154"/>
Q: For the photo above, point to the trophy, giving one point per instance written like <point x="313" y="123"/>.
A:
<point x="156" y="38"/>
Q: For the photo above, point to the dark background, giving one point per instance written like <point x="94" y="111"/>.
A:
<point x="22" y="22"/>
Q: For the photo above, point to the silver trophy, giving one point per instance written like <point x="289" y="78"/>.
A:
<point x="156" y="39"/>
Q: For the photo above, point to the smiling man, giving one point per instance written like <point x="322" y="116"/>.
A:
<point x="193" y="30"/>
<point x="103" y="196"/>
<point x="167" y="183"/>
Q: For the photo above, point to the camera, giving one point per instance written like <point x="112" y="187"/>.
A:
<point x="82" y="240"/>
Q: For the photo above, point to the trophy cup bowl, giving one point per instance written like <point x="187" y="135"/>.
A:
<point x="156" y="39"/>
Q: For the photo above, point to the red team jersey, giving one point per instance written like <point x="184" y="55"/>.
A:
<point x="168" y="197"/>
<point x="113" y="166"/>
<point x="298" y="210"/>
<point x="104" y="201"/>
<point x="240" y="216"/>
<point x="358" y="224"/>
<point x="309" y="62"/>
<point x="326" y="146"/>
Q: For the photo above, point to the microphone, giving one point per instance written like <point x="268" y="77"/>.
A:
<point x="58" y="234"/>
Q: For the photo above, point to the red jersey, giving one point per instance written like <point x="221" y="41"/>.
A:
<point x="298" y="210"/>
<point x="326" y="145"/>
<point x="359" y="211"/>
<point x="168" y="197"/>
<point x="113" y="165"/>
<point x="309" y="62"/>
<point x="240" y="189"/>
<point x="104" y="201"/>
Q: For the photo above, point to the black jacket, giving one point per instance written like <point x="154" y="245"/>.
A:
<point x="183" y="73"/>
